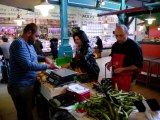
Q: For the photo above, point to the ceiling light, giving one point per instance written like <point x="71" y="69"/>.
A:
<point x="44" y="8"/>
<point x="105" y="24"/>
<point x="103" y="3"/>
<point x="150" y="19"/>
<point x="100" y="3"/>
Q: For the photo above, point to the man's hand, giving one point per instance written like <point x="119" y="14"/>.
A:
<point x="48" y="60"/>
<point x="119" y="70"/>
<point x="108" y="65"/>
<point x="52" y="66"/>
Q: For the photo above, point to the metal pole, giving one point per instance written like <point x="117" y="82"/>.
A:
<point x="65" y="48"/>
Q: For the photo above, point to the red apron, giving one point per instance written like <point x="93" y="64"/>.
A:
<point x="122" y="80"/>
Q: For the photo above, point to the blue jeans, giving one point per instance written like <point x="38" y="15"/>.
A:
<point x="22" y="98"/>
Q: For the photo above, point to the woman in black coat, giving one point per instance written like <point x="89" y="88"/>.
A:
<point x="54" y="47"/>
<point x="84" y="58"/>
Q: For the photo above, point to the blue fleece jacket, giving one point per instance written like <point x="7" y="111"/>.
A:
<point x="23" y="64"/>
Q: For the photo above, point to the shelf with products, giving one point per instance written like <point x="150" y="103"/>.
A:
<point x="105" y="33"/>
<point x="54" y="31"/>
<point x="9" y="32"/>
<point x="46" y="45"/>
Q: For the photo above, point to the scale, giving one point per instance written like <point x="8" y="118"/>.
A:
<point x="63" y="76"/>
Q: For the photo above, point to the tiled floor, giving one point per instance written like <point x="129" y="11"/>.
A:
<point x="7" y="110"/>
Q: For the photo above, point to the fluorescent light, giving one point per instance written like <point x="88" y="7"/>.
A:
<point x="106" y="25"/>
<point x="44" y="8"/>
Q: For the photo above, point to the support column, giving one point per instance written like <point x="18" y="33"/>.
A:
<point x="122" y="16"/>
<point x="65" y="48"/>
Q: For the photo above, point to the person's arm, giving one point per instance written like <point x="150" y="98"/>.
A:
<point x="41" y="58"/>
<point x="23" y="57"/>
<point x="48" y="61"/>
<point x="138" y="57"/>
<point x="136" y="60"/>
<point x="125" y="69"/>
<point x="108" y="65"/>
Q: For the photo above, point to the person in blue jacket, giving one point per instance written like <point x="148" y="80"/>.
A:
<point x="24" y="67"/>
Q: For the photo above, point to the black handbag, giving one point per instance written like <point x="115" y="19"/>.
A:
<point x="93" y="66"/>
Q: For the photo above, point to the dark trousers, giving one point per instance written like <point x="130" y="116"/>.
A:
<point x="55" y="54"/>
<point x="5" y="70"/>
<point x="22" y="98"/>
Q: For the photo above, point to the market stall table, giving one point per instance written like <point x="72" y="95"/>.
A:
<point x="48" y="91"/>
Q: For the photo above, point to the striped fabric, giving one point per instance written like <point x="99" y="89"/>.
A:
<point x="23" y="64"/>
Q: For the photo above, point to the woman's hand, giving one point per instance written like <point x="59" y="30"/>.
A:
<point x="119" y="70"/>
<point x="67" y="65"/>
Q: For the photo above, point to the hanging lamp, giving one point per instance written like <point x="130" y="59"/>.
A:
<point x="102" y="3"/>
<point x="19" y="20"/>
<point x="44" y="8"/>
<point x="150" y="19"/>
<point x="105" y="24"/>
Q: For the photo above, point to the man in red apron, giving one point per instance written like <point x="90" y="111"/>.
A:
<point x="126" y="59"/>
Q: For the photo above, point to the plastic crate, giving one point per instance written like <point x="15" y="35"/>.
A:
<point x="63" y="61"/>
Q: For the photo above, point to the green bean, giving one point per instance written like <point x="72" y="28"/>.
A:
<point x="129" y="111"/>
<point x="110" y="108"/>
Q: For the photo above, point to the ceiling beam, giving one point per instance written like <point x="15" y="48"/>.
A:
<point x="147" y="11"/>
<point x="124" y="11"/>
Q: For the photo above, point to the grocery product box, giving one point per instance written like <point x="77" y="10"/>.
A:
<point x="79" y="92"/>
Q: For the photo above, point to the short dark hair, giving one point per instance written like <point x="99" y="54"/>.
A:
<point x="5" y="39"/>
<point x="30" y="27"/>
<point x="54" y="40"/>
<point x="97" y="37"/>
